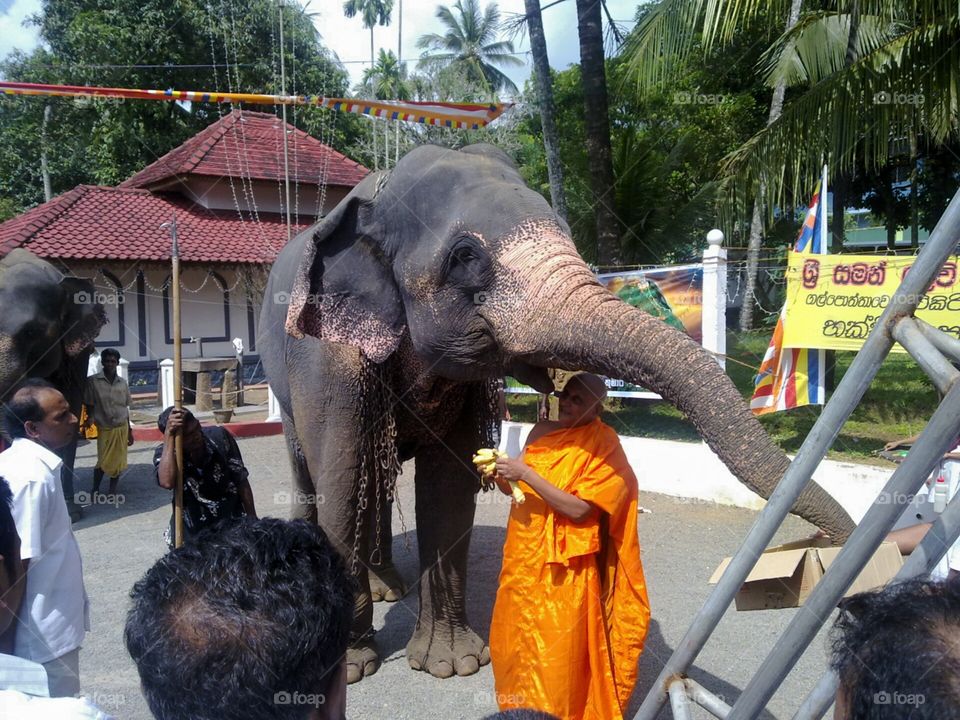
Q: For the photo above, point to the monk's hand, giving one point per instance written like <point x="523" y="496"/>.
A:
<point x="510" y="469"/>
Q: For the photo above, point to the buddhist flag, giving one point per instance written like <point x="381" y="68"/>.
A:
<point x="791" y="377"/>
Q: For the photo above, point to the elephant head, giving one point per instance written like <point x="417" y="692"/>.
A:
<point x="453" y="250"/>
<point x="48" y="324"/>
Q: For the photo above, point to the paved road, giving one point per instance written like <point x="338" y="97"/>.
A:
<point x="683" y="541"/>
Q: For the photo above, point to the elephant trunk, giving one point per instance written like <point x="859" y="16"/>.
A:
<point x="586" y="328"/>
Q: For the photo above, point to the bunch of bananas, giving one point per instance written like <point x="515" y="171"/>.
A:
<point x="486" y="461"/>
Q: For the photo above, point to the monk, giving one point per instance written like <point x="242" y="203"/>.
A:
<point x="571" y="613"/>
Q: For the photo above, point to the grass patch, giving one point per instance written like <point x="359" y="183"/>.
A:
<point x="899" y="403"/>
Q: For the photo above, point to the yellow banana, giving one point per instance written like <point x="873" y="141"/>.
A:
<point x="486" y="461"/>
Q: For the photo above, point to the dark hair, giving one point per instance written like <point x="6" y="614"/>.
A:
<point x="165" y="415"/>
<point x="24" y="407"/>
<point x="896" y="651"/>
<point x="8" y="528"/>
<point x="521" y="714"/>
<point x="237" y="617"/>
<point x="110" y="352"/>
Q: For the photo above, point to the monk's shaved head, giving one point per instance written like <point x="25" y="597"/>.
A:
<point x="581" y="400"/>
<point x="593" y="384"/>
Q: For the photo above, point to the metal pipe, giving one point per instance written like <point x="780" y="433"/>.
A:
<point x="946" y="344"/>
<point x="847" y="395"/>
<point x="936" y="439"/>
<point x="679" y="702"/>
<point x="943" y="534"/>
<point x="706" y="699"/>
<point x="928" y="356"/>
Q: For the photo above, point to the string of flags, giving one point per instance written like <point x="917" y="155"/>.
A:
<point x="463" y="116"/>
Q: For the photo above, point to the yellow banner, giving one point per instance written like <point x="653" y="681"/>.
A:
<point x="833" y="301"/>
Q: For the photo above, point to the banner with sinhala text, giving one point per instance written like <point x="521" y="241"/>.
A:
<point x="833" y="301"/>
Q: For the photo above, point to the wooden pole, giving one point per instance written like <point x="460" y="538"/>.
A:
<point x="177" y="383"/>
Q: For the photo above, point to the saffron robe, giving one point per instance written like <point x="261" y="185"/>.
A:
<point x="571" y="613"/>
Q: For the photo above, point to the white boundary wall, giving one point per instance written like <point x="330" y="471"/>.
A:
<point x="693" y="473"/>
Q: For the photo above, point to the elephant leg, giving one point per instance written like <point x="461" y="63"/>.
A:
<point x="303" y="488"/>
<point x="327" y="433"/>
<point x="443" y="643"/>
<point x="385" y="582"/>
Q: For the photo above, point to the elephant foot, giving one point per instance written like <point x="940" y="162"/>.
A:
<point x="386" y="583"/>
<point x="443" y="651"/>
<point x="363" y="659"/>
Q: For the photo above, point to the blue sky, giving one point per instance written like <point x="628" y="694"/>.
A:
<point x="351" y="42"/>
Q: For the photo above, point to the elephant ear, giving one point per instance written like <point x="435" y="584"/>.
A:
<point x="344" y="290"/>
<point x="82" y="316"/>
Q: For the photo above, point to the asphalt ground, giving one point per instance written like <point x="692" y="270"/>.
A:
<point x="683" y="541"/>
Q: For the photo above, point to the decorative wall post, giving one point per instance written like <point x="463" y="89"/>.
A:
<point x="166" y="382"/>
<point x="124" y="369"/>
<point x="714" y="317"/>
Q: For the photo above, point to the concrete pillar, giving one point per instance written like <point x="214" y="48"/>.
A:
<point x="228" y="389"/>
<point x="204" y="400"/>
<point x="714" y="315"/>
<point x="166" y="382"/>
<point x="273" y="407"/>
<point x="123" y="370"/>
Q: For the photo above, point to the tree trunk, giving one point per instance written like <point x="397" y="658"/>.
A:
<point x="551" y="139"/>
<point x="756" y="224"/>
<point x="597" y="123"/>
<point x="914" y="205"/>
<point x="373" y="118"/>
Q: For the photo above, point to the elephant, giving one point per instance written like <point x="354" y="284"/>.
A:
<point x="384" y="330"/>
<point x="47" y="330"/>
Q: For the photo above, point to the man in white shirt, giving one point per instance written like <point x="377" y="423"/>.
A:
<point x="52" y="615"/>
<point x="24" y="691"/>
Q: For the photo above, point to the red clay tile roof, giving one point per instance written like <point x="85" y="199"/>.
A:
<point x="250" y="145"/>
<point x="103" y="223"/>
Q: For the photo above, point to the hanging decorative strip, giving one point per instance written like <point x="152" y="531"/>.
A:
<point x="465" y="116"/>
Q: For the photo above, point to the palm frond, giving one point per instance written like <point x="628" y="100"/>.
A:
<point x="817" y="46"/>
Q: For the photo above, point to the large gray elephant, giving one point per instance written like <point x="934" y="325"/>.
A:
<point x="382" y="330"/>
<point x="48" y="324"/>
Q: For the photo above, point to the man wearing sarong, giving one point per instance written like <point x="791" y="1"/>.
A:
<point x="571" y="613"/>
<point x="107" y="397"/>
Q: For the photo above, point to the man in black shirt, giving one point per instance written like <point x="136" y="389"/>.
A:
<point x="215" y="486"/>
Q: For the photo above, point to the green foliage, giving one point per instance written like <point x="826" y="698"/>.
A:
<point x="110" y="42"/>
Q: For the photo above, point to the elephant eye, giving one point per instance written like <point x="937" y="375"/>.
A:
<point x="467" y="264"/>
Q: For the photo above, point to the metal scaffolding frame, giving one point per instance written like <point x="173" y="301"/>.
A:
<point x="930" y="348"/>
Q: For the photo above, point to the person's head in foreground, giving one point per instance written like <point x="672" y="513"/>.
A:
<point x="581" y="400"/>
<point x="521" y="714"/>
<point x="183" y="420"/>
<point x="39" y="412"/>
<point x="897" y="653"/>
<point x="248" y="622"/>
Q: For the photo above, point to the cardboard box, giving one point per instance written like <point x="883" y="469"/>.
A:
<point x="785" y="575"/>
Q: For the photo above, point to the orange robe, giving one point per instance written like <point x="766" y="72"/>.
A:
<point x="571" y="613"/>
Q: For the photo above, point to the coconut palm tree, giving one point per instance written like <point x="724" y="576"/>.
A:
<point x="470" y="41"/>
<point x="868" y="74"/>
<point x="372" y="12"/>
<point x="386" y="79"/>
